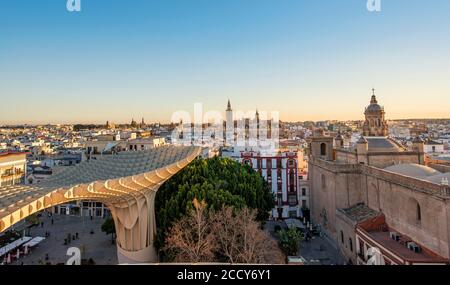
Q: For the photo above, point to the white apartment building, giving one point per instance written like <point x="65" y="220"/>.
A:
<point x="13" y="167"/>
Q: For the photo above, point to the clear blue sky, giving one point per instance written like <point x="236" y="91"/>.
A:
<point x="307" y="59"/>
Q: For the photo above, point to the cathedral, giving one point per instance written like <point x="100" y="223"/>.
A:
<point x="378" y="196"/>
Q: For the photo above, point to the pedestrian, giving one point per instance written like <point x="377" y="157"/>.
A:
<point x="76" y="235"/>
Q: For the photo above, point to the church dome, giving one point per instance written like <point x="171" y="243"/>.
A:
<point x="374" y="107"/>
<point x="413" y="170"/>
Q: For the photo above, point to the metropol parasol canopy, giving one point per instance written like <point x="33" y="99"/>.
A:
<point x="125" y="182"/>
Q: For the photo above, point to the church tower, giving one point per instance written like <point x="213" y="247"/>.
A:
<point x="375" y="125"/>
<point x="229" y="126"/>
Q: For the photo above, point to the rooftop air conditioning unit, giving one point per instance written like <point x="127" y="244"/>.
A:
<point x="414" y="247"/>
<point x="395" y="236"/>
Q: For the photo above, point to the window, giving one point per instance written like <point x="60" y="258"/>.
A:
<point x="324" y="182"/>
<point x="342" y="237"/>
<point x="292" y="200"/>
<point x="323" y="149"/>
<point x="419" y="214"/>
<point x="292" y="181"/>
<point x="279" y="187"/>
<point x="280" y="199"/>
<point x="279" y="163"/>
<point x="269" y="163"/>
<point x="291" y="163"/>
<point x="350" y="244"/>
<point x="303" y="191"/>
<point x="413" y="214"/>
<point x="361" y="249"/>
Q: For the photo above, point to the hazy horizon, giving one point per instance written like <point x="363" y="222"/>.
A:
<point x="308" y="60"/>
<point x="167" y="122"/>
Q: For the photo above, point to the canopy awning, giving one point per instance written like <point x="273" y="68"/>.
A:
<point x="6" y="249"/>
<point x="294" y="223"/>
<point x="34" y="241"/>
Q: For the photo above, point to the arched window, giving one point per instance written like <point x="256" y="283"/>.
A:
<point x="323" y="149"/>
<point x="414" y="212"/>
<point x="342" y="237"/>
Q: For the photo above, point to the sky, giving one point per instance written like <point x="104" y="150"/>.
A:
<point x="306" y="59"/>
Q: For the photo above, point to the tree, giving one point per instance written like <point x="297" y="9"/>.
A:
<point x="191" y="238"/>
<point x="290" y="240"/>
<point x="109" y="228"/>
<point x="240" y="238"/>
<point x="228" y="235"/>
<point x="217" y="181"/>
<point x="32" y="219"/>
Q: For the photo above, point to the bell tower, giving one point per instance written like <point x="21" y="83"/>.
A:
<point x="375" y="124"/>
<point x="321" y="146"/>
<point x="229" y="124"/>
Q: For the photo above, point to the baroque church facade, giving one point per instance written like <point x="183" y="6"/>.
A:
<point x="379" y="196"/>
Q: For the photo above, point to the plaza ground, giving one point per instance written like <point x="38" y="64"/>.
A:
<point x="96" y="246"/>
<point x="317" y="251"/>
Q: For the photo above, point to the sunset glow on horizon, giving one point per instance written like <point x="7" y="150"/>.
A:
<point x="308" y="60"/>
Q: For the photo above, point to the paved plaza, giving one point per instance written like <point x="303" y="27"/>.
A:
<point x="318" y="250"/>
<point x="97" y="246"/>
